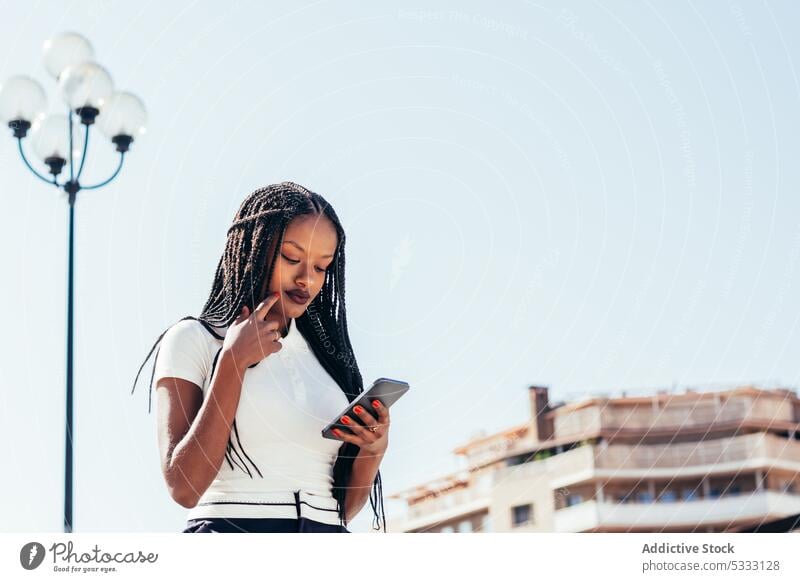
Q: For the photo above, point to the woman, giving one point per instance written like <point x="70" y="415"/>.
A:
<point x="268" y="362"/>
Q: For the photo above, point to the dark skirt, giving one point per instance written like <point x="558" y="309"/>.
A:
<point x="260" y="525"/>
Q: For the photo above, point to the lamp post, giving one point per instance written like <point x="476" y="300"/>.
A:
<point x="88" y="91"/>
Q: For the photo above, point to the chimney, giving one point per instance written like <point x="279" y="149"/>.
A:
<point x="540" y="404"/>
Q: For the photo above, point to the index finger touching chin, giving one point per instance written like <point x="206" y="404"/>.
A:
<point x="267" y="304"/>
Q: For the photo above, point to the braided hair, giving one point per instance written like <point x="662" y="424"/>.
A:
<point x="242" y="278"/>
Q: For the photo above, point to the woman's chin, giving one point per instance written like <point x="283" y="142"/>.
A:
<point x="293" y="310"/>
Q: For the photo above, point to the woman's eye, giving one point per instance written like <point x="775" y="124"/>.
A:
<point x="295" y="261"/>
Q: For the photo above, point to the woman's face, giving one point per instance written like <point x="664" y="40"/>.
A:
<point x="307" y="252"/>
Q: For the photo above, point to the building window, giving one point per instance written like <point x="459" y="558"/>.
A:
<point x="465" y="526"/>
<point x="446" y="529"/>
<point x="574" y="499"/>
<point x="713" y="493"/>
<point x="668" y="496"/>
<point x="644" y="497"/>
<point x="689" y="494"/>
<point x="521" y="514"/>
<point x="734" y="490"/>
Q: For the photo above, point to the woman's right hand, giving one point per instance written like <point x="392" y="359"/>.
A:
<point x="253" y="336"/>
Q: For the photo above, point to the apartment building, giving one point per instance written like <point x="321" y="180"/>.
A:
<point x="696" y="461"/>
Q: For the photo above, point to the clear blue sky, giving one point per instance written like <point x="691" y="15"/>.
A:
<point x="589" y="196"/>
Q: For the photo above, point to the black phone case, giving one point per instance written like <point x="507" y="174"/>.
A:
<point x="386" y="390"/>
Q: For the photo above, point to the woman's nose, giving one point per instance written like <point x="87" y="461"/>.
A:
<point x="307" y="277"/>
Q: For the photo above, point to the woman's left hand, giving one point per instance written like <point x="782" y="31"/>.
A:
<point x="373" y="442"/>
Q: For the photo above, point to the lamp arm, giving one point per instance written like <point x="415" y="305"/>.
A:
<point x="27" y="163"/>
<point x="114" y="175"/>
<point x="71" y="156"/>
<point x="83" y="155"/>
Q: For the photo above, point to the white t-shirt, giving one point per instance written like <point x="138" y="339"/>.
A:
<point x="286" y="401"/>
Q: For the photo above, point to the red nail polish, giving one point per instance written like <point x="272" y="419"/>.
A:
<point x="376" y="403"/>
<point x="336" y="432"/>
<point x="345" y="420"/>
<point x="358" y="409"/>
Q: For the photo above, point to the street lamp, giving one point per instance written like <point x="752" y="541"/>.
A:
<point x="87" y="89"/>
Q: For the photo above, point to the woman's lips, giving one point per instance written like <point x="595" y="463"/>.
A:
<point x="299" y="299"/>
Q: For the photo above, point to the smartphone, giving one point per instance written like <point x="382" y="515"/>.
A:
<point x="386" y="390"/>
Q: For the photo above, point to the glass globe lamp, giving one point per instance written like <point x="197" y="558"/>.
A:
<point x="50" y="139"/>
<point x="64" y="50"/>
<point x="22" y="102"/>
<point x="85" y="87"/>
<point x="122" y="119"/>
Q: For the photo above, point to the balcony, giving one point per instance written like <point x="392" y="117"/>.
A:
<point x="733" y="453"/>
<point x="592" y="515"/>
<point x="693" y="459"/>
<point x="700" y="415"/>
<point x="443" y="508"/>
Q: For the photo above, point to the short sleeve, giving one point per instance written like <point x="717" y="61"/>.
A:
<point x="183" y="353"/>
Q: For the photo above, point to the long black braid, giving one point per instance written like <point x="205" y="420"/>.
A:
<point x="242" y="278"/>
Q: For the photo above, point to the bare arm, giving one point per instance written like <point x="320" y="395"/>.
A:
<point x="193" y="435"/>
<point x="365" y="468"/>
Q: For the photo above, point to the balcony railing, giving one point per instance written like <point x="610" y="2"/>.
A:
<point x="674" y="416"/>
<point x="692" y="454"/>
<point x="447" y="502"/>
<point x="729" y="509"/>
<point x="699" y="457"/>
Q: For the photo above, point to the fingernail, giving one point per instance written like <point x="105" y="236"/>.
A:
<point x="376" y="403"/>
<point x="345" y="420"/>
<point x="358" y="409"/>
<point x="336" y="431"/>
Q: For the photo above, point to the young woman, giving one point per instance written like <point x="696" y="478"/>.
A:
<point x="245" y="389"/>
